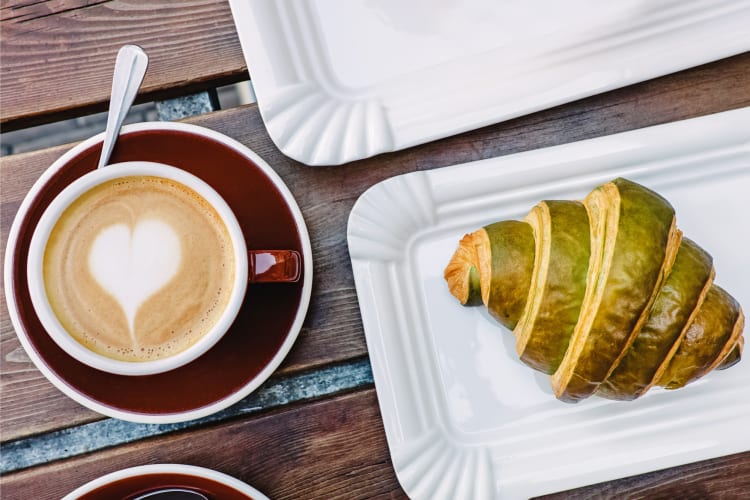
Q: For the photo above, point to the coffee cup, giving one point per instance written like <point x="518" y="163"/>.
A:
<point x="139" y="268"/>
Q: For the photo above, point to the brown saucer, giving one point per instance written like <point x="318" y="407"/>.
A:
<point x="266" y="325"/>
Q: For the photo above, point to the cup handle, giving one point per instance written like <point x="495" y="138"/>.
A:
<point x="274" y="266"/>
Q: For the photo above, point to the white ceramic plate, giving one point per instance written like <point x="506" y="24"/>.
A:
<point x="463" y="417"/>
<point x="339" y="81"/>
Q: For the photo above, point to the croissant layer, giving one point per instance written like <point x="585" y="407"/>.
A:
<point x="680" y="298"/>
<point x="563" y="250"/>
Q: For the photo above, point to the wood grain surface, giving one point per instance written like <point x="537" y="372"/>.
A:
<point x="336" y="449"/>
<point x="330" y="449"/>
<point x="192" y="45"/>
<point x="332" y="332"/>
<point x="725" y="478"/>
<point x="333" y="448"/>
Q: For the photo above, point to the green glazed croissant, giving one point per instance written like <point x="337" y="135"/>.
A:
<point x="605" y="295"/>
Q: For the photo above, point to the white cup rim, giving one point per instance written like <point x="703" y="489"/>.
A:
<point x="39" y="242"/>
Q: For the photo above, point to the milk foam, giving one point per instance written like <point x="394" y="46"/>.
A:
<point x="132" y="265"/>
<point x="139" y="268"/>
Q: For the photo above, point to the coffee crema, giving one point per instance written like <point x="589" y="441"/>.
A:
<point x="139" y="268"/>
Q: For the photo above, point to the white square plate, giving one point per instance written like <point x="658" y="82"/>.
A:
<point x="463" y="417"/>
<point x="337" y="81"/>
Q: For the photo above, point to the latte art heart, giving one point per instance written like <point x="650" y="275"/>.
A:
<point x="139" y="268"/>
<point x="134" y="264"/>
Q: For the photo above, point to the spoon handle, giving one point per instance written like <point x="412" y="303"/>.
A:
<point x="130" y="67"/>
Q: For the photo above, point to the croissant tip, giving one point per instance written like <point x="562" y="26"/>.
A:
<point x="462" y="275"/>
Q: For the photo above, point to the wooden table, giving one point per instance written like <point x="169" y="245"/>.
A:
<point x="314" y="429"/>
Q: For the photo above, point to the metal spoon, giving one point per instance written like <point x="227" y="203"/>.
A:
<point x="172" y="494"/>
<point x="130" y="67"/>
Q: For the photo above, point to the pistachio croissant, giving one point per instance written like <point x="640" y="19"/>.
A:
<point x="605" y="295"/>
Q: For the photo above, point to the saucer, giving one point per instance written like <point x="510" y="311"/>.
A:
<point x="135" y="481"/>
<point x="265" y="328"/>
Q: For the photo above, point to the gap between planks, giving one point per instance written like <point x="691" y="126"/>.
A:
<point x="66" y="443"/>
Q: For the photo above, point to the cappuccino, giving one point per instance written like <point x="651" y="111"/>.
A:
<point x="139" y="268"/>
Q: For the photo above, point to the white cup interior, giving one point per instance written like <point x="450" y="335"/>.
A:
<point x="39" y="242"/>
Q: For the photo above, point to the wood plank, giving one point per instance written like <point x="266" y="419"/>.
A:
<point x="720" y="478"/>
<point x="330" y="449"/>
<point x="275" y="393"/>
<point x="334" y="449"/>
<point x="333" y="331"/>
<point x="192" y="46"/>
